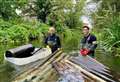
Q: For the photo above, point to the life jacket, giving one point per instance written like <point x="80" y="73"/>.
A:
<point x="52" y="40"/>
<point x="85" y="43"/>
<point x="84" y="51"/>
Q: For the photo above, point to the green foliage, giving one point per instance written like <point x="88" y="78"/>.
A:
<point x="111" y="33"/>
<point x="43" y="28"/>
<point x="59" y="13"/>
<point x="107" y="26"/>
<point x="11" y="31"/>
<point x="43" y="9"/>
<point x="8" y="7"/>
<point x="113" y="5"/>
<point x="72" y="20"/>
<point x="71" y="39"/>
<point x="18" y="33"/>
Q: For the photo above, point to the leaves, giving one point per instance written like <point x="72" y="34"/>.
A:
<point x="8" y="7"/>
<point x="108" y="25"/>
<point x="12" y="31"/>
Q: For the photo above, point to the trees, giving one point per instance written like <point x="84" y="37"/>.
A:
<point x="107" y="25"/>
<point x="59" y="12"/>
<point x="43" y="9"/>
<point x="113" y="5"/>
<point x="8" y="7"/>
<point x="67" y="13"/>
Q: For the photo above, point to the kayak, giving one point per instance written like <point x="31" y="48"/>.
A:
<point x="36" y="54"/>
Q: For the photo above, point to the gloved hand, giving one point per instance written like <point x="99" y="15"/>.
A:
<point x="84" y="52"/>
<point x="59" y="49"/>
<point x="48" y="47"/>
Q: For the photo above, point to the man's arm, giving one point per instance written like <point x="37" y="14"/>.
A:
<point x="94" y="44"/>
<point x="58" y="42"/>
<point x="45" y="41"/>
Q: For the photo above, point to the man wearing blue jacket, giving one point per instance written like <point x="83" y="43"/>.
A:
<point x="88" y="42"/>
<point x="52" y="40"/>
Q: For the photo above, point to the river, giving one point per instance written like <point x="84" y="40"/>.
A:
<point x="6" y="71"/>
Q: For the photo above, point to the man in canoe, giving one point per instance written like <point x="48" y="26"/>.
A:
<point x="52" y="40"/>
<point x="88" y="42"/>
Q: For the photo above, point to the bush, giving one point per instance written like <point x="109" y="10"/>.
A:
<point x="108" y="29"/>
<point x="11" y="31"/>
<point x="71" y="39"/>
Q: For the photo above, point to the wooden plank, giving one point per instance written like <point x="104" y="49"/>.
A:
<point x="67" y="73"/>
<point x="32" y="72"/>
<point x="94" y="67"/>
<point x="86" y="72"/>
<point x="86" y="77"/>
<point x="46" y="69"/>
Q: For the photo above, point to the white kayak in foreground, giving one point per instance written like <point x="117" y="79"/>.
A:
<point x="40" y="54"/>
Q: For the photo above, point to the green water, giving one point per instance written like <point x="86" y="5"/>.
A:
<point x="111" y="61"/>
<point x="6" y="72"/>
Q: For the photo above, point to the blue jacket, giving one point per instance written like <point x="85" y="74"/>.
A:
<point x="87" y="42"/>
<point x="53" y="41"/>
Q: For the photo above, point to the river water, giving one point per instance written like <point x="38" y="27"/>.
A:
<point x="6" y="71"/>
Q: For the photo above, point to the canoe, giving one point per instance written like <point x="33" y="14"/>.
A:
<point x="36" y="54"/>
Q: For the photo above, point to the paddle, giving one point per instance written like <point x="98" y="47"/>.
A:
<point x="36" y="51"/>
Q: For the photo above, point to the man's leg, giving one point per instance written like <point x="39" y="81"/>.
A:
<point x="92" y="55"/>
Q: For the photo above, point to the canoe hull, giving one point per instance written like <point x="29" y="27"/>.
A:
<point x="41" y="54"/>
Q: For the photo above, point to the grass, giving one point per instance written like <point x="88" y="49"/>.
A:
<point x="107" y="27"/>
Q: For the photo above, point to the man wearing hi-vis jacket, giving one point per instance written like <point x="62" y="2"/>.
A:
<point x="88" y="43"/>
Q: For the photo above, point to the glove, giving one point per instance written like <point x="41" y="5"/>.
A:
<point x="84" y="52"/>
<point x="48" y="47"/>
<point x="59" y="49"/>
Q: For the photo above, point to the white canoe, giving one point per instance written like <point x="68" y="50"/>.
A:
<point x="41" y="54"/>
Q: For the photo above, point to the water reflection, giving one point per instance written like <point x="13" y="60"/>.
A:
<point x="6" y="73"/>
